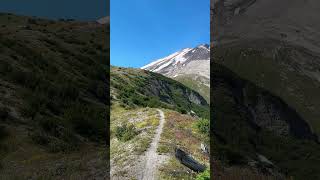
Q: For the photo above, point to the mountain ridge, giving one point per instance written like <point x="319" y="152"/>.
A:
<point x="190" y="66"/>
<point x="178" y="60"/>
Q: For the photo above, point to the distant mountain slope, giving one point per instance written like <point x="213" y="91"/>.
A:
<point x="291" y="21"/>
<point x="104" y="20"/>
<point x="189" y="66"/>
<point x="53" y="81"/>
<point x="273" y="45"/>
<point x="250" y="121"/>
<point x="279" y="41"/>
<point x="136" y="87"/>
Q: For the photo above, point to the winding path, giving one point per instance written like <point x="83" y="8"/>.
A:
<point x="152" y="158"/>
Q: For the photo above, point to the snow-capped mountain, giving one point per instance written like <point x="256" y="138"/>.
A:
<point x="190" y="66"/>
<point x="187" y="61"/>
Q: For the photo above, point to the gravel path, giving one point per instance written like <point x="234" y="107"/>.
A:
<point x="152" y="157"/>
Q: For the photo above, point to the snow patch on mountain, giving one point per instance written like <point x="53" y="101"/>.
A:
<point x="185" y="62"/>
<point x="104" y="20"/>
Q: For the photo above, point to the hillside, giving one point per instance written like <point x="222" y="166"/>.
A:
<point x="251" y="123"/>
<point x="190" y="66"/>
<point x="135" y="87"/>
<point x="53" y="98"/>
<point x="138" y="96"/>
<point x="271" y="93"/>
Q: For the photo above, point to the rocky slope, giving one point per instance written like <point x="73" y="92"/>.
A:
<point x="53" y="98"/>
<point x="144" y="88"/>
<point x="189" y="66"/>
<point x="250" y="121"/>
<point x="273" y="45"/>
<point x="280" y="45"/>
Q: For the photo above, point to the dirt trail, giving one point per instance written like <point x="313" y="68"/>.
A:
<point x="152" y="158"/>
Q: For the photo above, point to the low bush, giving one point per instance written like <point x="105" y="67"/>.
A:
<point x="41" y="138"/>
<point x="126" y="132"/>
<point x="88" y="121"/>
<point x="182" y="110"/>
<point x="204" y="175"/>
<point x="203" y="125"/>
<point x="34" y="104"/>
<point x="61" y="146"/>
<point x="68" y="91"/>
<point x="99" y="89"/>
<point x="66" y="143"/>
<point x="26" y="79"/>
<point x="50" y="125"/>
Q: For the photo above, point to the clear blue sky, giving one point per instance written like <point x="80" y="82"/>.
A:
<point x="73" y="9"/>
<point x="145" y="30"/>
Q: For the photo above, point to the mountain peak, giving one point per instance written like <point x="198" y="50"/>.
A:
<point x="190" y="66"/>
<point x="205" y="46"/>
<point x="186" y="61"/>
<point x="104" y="20"/>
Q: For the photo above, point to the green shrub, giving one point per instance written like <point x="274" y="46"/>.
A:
<point x="182" y="111"/>
<point x="26" y="79"/>
<point x="203" y="126"/>
<point x="54" y="135"/>
<point x="60" y="146"/>
<point x="87" y="120"/>
<point x="204" y="175"/>
<point x="126" y="132"/>
<point x="99" y="89"/>
<point x="68" y="91"/>
<point x="34" y="104"/>
<point x="65" y="143"/>
<point x="50" y="125"/>
<point x="41" y="138"/>
<point x="54" y="105"/>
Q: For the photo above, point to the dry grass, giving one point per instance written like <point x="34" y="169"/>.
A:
<point x="125" y="155"/>
<point x="180" y="131"/>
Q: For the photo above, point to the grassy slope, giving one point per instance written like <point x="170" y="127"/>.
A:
<point x="53" y="99"/>
<point x="181" y="131"/>
<point x="125" y="154"/>
<point x="194" y="84"/>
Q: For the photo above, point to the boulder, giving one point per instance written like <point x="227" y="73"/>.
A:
<point x="188" y="161"/>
